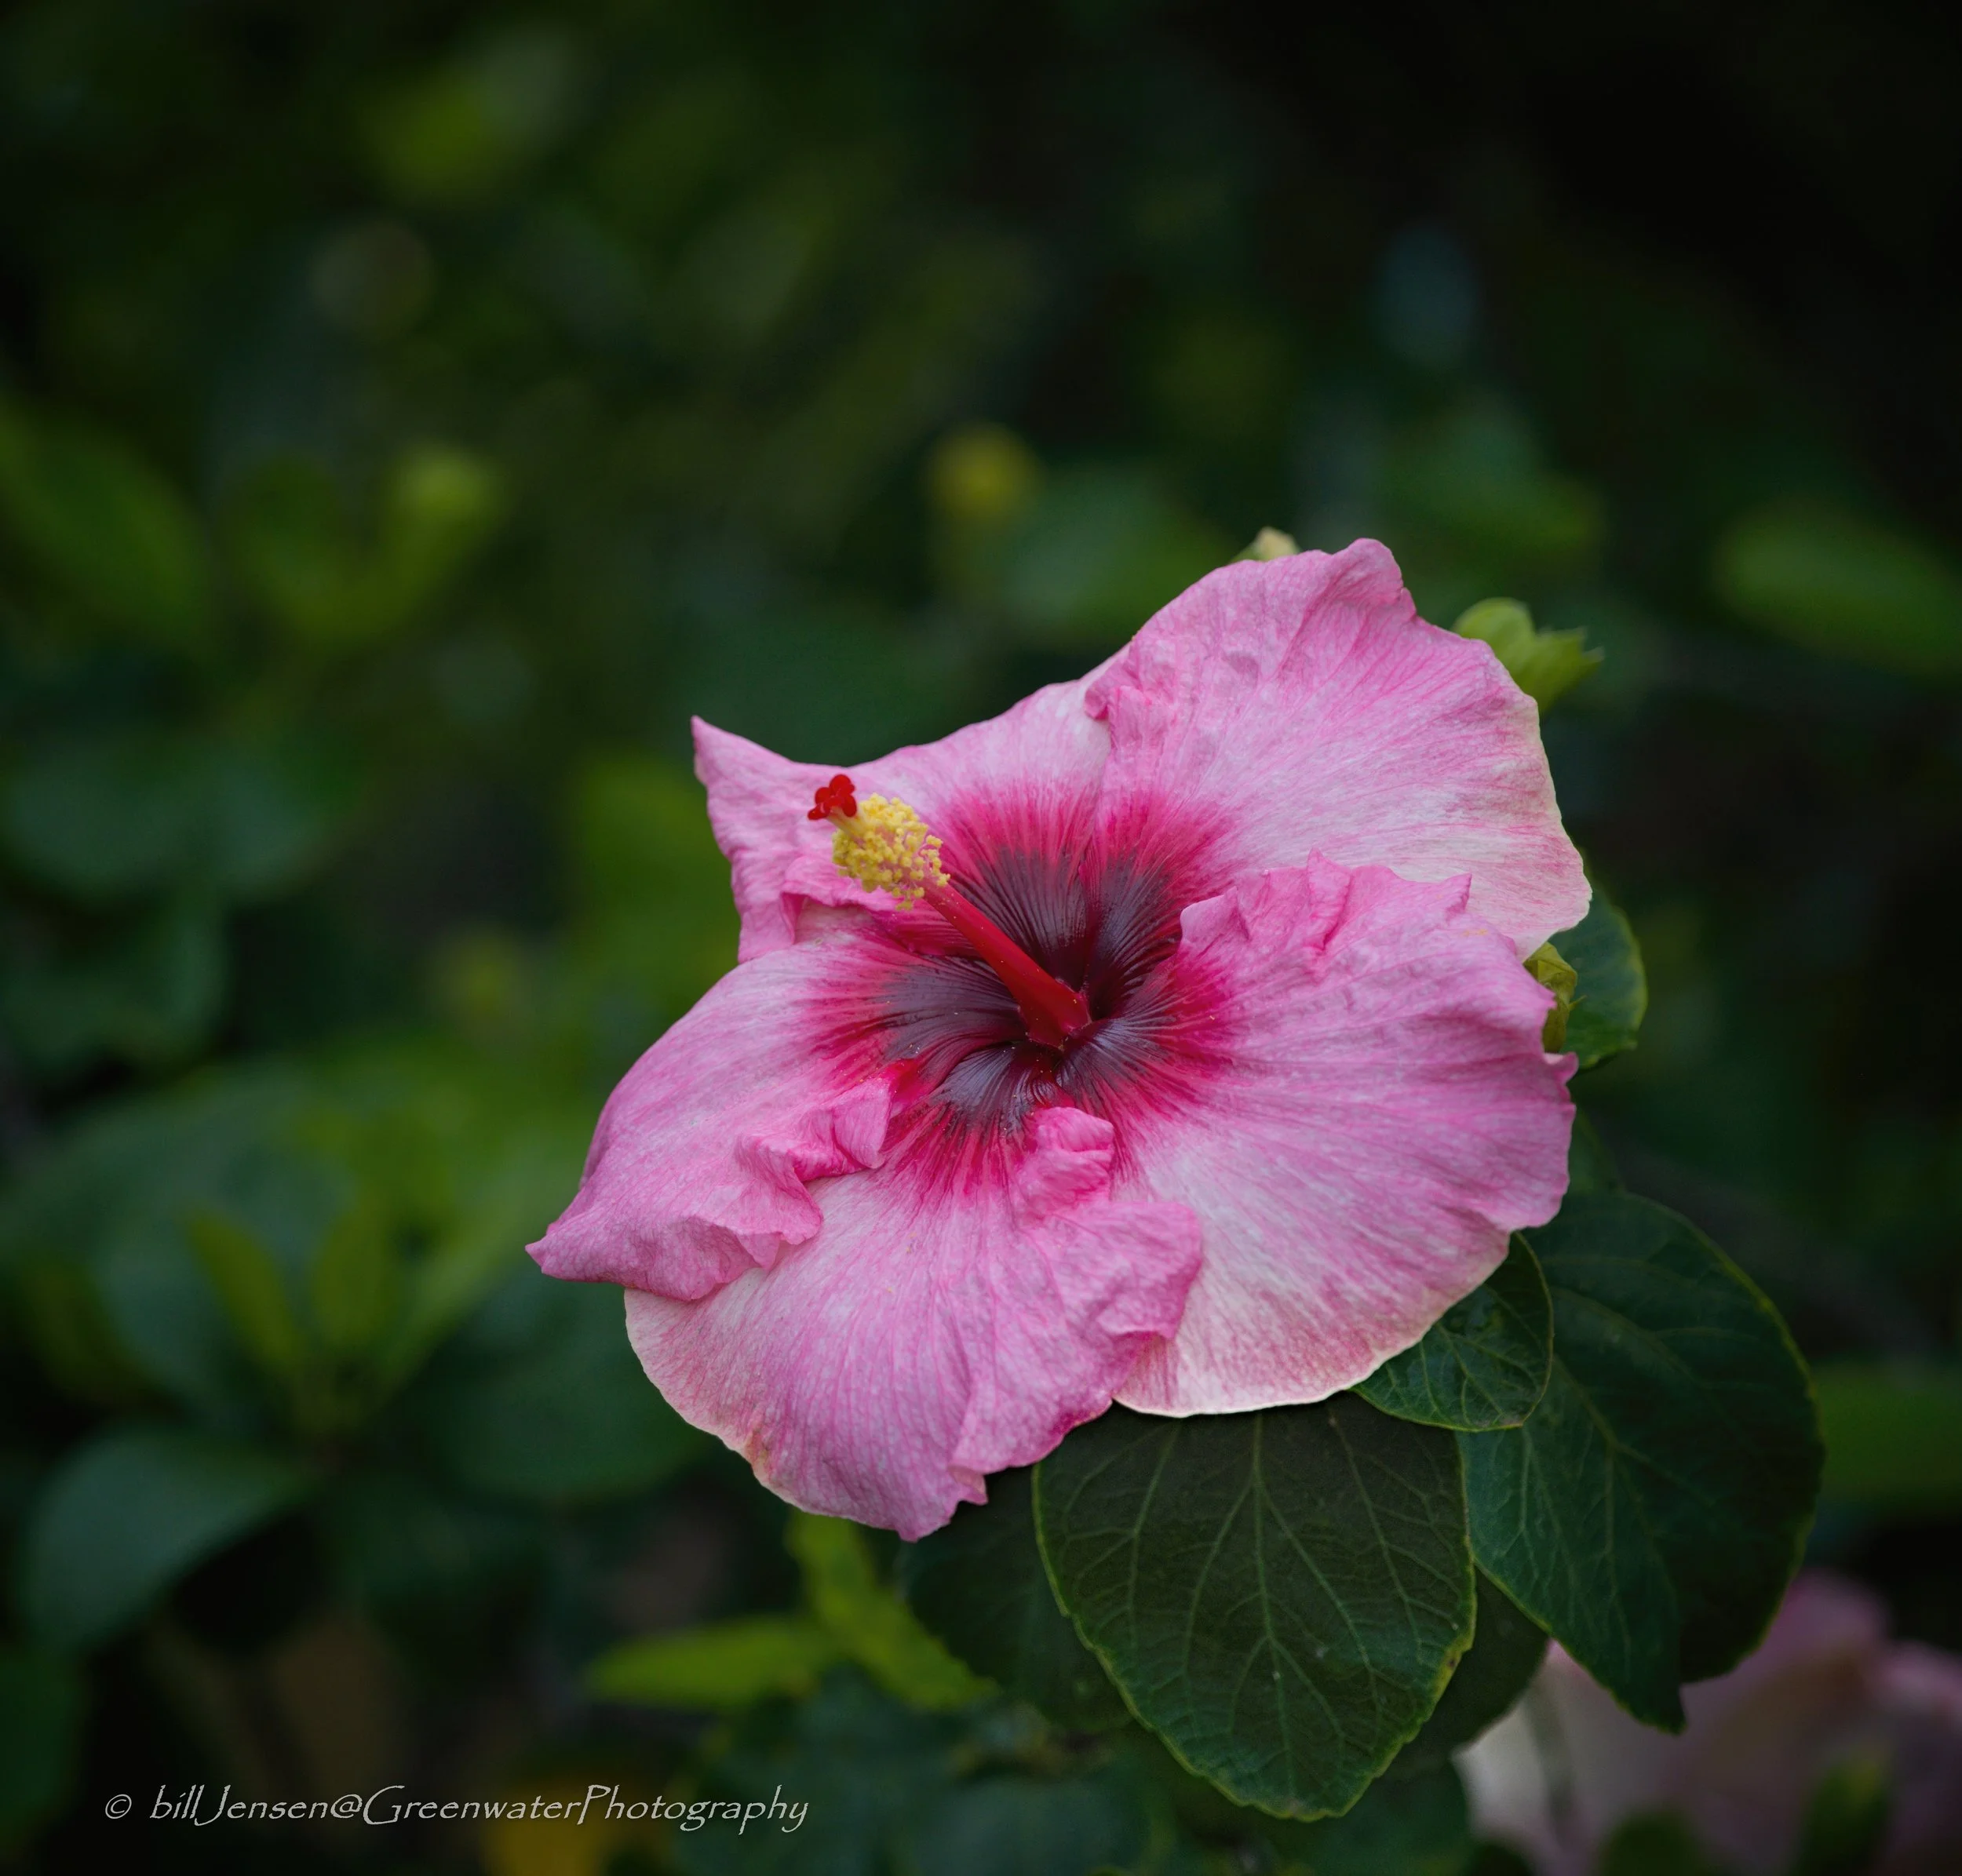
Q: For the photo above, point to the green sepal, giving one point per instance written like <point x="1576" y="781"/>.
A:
<point x="1611" y="995"/>
<point x="1544" y="664"/>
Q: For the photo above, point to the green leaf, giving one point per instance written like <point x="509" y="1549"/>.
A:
<point x="541" y="1400"/>
<point x="128" y="1513"/>
<point x="456" y="133"/>
<point x="870" y="1623"/>
<point x="437" y="1573"/>
<point x="653" y="885"/>
<point x="1414" y="1827"/>
<point x="105" y="526"/>
<point x="1893" y="1435"/>
<point x="112" y="1193"/>
<point x="1847" y="1819"/>
<point x="1838" y="583"/>
<point x="1478" y="473"/>
<point x="356" y="1282"/>
<point x="992" y="1825"/>
<point x="103" y="818"/>
<point x="271" y="811"/>
<point x="62" y="1309"/>
<point x="1590" y="1167"/>
<point x="292" y="542"/>
<point x="722" y="1667"/>
<point x="1484" y="1362"/>
<point x="978" y="1584"/>
<point x="41" y="1700"/>
<point x="1656" y="1843"/>
<point x="1651" y="1511"/>
<point x="440" y="506"/>
<point x="864" y="1766"/>
<point x="1544" y="664"/>
<point x="1098" y="550"/>
<point x="299" y="553"/>
<point x="148" y="994"/>
<point x="1612" y="993"/>
<point x="108" y="817"/>
<point x="1280" y="1595"/>
<point x="518" y="1177"/>
<point x="1507" y="1648"/>
<point x="246" y="1277"/>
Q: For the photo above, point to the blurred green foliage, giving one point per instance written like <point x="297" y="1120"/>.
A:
<point x="853" y="1615"/>
<point x="409" y="414"/>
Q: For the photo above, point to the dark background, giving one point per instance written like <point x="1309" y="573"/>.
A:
<point x="409" y="414"/>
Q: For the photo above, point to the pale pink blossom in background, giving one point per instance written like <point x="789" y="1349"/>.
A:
<point x="1289" y="846"/>
<point x="1556" y="1776"/>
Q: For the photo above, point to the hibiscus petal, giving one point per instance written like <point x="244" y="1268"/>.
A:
<point x="1302" y="705"/>
<point x="1377" y="1116"/>
<point x="700" y="1166"/>
<point x="932" y="1332"/>
<point x="756" y="804"/>
<point x="1044" y="756"/>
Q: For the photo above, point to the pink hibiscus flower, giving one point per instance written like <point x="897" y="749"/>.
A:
<point x="1163" y="1040"/>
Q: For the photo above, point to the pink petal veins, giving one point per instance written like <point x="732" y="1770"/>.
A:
<point x="919" y="1342"/>
<point x="701" y="1166"/>
<point x="1381" y="1118"/>
<point x="1045" y="751"/>
<point x="1302" y="705"/>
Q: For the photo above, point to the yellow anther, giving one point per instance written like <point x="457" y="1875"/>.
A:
<point x="886" y="845"/>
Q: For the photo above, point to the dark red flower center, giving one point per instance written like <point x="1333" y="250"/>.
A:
<point x="1098" y="914"/>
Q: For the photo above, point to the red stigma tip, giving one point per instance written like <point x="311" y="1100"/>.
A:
<point x="836" y="797"/>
